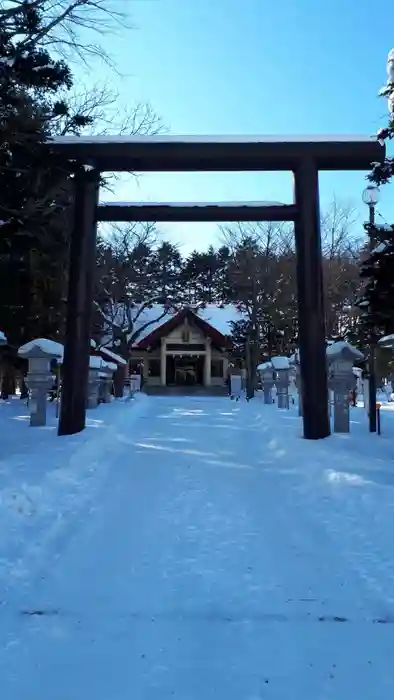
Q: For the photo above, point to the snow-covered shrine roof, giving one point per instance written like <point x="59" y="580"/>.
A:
<point x="219" y="318"/>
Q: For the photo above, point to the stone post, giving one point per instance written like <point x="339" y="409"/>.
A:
<point x="267" y="375"/>
<point x="106" y="377"/>
<point x="39" y="380"/>
<point x="341" y="357"/>
<point x="93" y="382"/>
<point x="281" y="366"/>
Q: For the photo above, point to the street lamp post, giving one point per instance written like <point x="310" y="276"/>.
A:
<point x="371" y="197"/>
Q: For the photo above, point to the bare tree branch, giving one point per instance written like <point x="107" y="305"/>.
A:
<point x="262" y="233"/>
<point x="68" y="23"/>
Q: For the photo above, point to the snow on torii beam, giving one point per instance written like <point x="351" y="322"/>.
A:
<point x="187" y="212"/>
<point x="305" y="156"/>
<point x="219" y="153"/>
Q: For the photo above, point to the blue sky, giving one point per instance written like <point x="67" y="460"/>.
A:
<point x="251" y="67"/>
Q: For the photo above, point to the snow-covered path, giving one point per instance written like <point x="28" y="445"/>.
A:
<point x="215" y="564"/>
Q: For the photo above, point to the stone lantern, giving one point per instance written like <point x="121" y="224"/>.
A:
<point x="341" y="357"/>
<point x="106" y="377"/>
<point x="39" y="380"/>
<point x="93" y="381"/>
<point x="267" y="374"/>
<point x="282" y="369"/>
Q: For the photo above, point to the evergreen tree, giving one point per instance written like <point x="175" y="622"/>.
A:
<point x="383" y="172"/>
<point x="204" y="275"/>
<point x="35" y="193"/>
<point x="167" y="271"/>
<point x="376" y="304"/>
<point x="377" y="270"/>
<point x="240" y="331"/>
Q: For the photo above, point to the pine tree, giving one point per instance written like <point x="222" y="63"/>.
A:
<point x="240" y="331"/>
<point x="167" y="272"/>
<point x="383" y="172"/>
<point x="204" y="275"/>
<point x="377" y="270"/>
<point x="35" y="185"/>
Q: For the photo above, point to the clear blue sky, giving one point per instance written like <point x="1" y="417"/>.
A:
<point x="252" y="67"/>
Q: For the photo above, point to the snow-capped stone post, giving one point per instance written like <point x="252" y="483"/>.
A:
<point x="295" y="361"/>
<point x="341" y="379"/>
<point x="281" y="366"/>
<point x="40" y="353"/>
<point x="92" y="398"/>
<point x="106" y="376"/>
<point x="267" y="375"/>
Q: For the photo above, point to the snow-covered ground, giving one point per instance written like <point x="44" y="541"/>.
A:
<point x="199" y="549"/>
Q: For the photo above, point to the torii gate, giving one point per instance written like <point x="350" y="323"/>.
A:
<point x="304" y="156"/>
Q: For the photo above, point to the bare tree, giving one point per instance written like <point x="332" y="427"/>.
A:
<point x="128" y="295"/>
<point x="101" y="104"/>
<point x="341" y="247"/>
<point x="255" y="281"/>
<point x="67" y="24"/>
<point x="338" y="229"/>
<point x="267" y="234"/>
<point x="341" y="255"/>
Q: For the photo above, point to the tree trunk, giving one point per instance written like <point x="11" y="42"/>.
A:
<point x="249" y="370"/>
<point x="24" y="388"/>
<point x="119" y="378"/>
<point x="8" y="382"/>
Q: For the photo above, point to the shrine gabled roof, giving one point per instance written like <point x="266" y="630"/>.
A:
<point x="161" y="331"/>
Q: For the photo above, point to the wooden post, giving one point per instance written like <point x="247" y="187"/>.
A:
<point x="79" y="302"/>
<point x="312" y="343"/>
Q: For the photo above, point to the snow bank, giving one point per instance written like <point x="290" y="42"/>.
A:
<point x="46" y="481"/>
<point x="263" y="567"/>
<point x="51" y="347"/>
